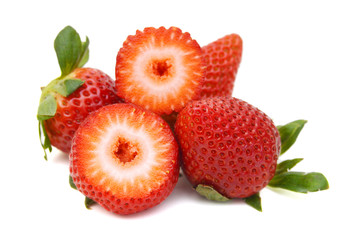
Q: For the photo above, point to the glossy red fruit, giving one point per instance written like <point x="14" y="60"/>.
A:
<point x="97" y="91"/>
<point x="222" y="59"/>
<point x="159" y="69"/>
<point x="227" y="144"/>
<point x="67" y="100"/>
<point x="124" y="158"/>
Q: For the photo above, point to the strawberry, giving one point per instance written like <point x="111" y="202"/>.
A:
<point x="159" y="69"/>
<point x="227" y="145"/>
<point x="124" y="158"/>
<point x="222" y="58"/>
<point x="66" y="101"/>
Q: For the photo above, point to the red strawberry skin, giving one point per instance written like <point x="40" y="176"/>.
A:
<point x="125" y="158"/>
<point x="160" y="69"/>
<point x="98" y="90"/>
<point x="222" y="59"/>
<point x="227" y="144"/>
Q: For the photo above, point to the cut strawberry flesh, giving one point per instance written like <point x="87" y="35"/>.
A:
<point x="126" y="152"/>
<point x="159" y="69"/>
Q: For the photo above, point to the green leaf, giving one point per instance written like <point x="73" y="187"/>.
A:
<point x="254" y="201"/>
<point x="70" y="50"/>
<point x="289" y="134"/>
<point x="43" y="135"/>
<point x="286" y="165"/>
<point x="210" y="193"/>
<point x="89" y="202"/>
<point x="72" y="84"/>
<point x="85" y="53"/>
<point x="71" y="183"/>
<point x="47" y="107"/>
<point x="67" y="86"/>
<point x="68" y="47"/>
<point x="300" y="182"/>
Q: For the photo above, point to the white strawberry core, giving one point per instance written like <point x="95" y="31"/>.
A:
<point x="170" y="79"/>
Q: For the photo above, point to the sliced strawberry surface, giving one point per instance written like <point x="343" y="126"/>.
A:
<point x="159" y="69"/>
<point x="124" y="158"/>
<point x="222" y="59"/>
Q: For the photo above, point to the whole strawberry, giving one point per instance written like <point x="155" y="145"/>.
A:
<point x="227" y="145"/>
<point x="125" y="158"/>
<point x="222" y="59"/>
<point x="67" y="100"/>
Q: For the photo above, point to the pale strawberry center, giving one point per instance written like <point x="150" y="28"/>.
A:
<point x="124" y="158"/>
<point x="125" y="151"/>
<point x="160" y="70"/>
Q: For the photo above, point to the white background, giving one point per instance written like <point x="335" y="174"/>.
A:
<point x="301" y="60"/>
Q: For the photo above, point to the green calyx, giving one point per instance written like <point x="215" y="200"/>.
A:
<point x="295" y="181"/>
<point x="210" y="193"/>
<point x="72" y="53"/>
<point x="289" y="134"/>
<point x="300" y="182"/>
<point x="254" y="201"/>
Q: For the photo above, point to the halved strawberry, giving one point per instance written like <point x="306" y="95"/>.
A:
<point x="125" y="158"/>
<point x="222" y="59"/>
<point x="159" y="69"/>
